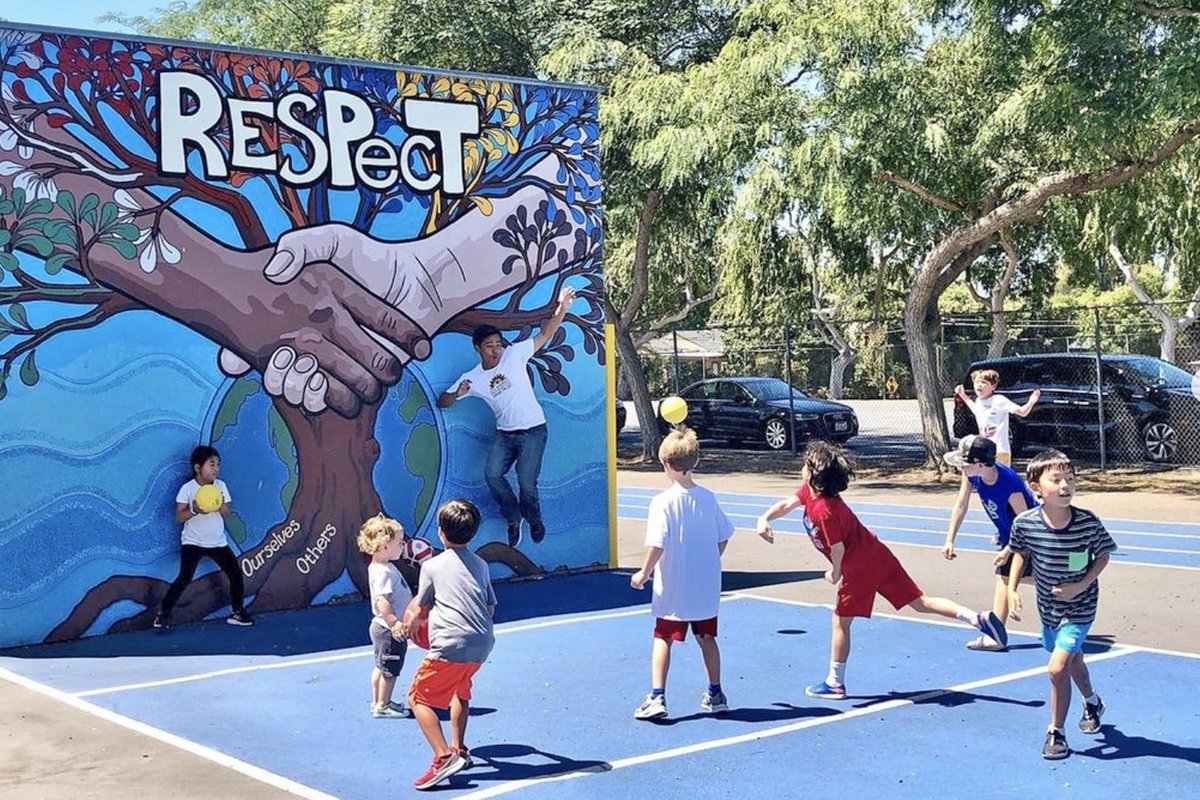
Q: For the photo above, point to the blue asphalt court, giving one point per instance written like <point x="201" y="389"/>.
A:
<point x="1155" y="544"/>
<point x="552" y="713"/>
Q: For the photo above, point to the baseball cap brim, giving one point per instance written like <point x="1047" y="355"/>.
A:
<point x="955" y="459"/>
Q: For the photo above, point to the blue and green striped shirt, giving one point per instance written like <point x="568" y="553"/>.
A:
<point x="1062" y="555"/>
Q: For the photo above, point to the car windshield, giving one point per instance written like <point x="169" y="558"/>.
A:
<point x="1158" y="373"/>
<point x="772" y="389"/>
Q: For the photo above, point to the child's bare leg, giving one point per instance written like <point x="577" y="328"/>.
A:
<point x="459" y="712"/>
<point x="938" y="605"/>
<point x="386" y="684"/>
<point x="660" y="662"/>
<point x="1081" y="676"/>
<point x="1060" y="687"/>
<point x="1000" y="599"/>
<point x="712" y="658"/>
<point x="839" y="650"/>
<point x="431" y="726"/>
<point x="376" y="691"/>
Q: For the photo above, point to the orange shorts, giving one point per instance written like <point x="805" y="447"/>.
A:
<point x="438" y="682"/>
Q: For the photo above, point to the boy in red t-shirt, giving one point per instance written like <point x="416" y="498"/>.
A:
<point x="861" y="564"/>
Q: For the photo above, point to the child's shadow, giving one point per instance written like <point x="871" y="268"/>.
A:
<point x="1112" y="745"/>
<point x="778" y="712"/>
<point x="941" y="697"/>
<point x="514" y="762"/>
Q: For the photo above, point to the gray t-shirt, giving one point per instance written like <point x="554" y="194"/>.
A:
<point x="385" y="580"/>
<point x="457" y="585"/>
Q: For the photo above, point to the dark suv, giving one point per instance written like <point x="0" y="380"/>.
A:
<point x="1150" y="406"/>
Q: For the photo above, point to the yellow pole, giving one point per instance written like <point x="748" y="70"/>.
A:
<point x="611" y="418"/>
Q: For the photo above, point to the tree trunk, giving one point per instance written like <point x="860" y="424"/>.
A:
<point x="837" y="371"/>
<point x="1169" y="339"/>
<point x="920" y="329"/>
<point x="635" y="378"/>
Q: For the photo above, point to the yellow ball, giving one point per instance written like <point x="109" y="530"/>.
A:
<point x="209" y="499"/>
<point x="673" y="409"/>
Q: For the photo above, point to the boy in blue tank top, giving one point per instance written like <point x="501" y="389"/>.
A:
<point x="1004" y="495"/>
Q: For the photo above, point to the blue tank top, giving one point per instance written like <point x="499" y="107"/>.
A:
<point x="995" y="498"/>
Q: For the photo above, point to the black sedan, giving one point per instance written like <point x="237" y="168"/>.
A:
<point x="757" y="409"/>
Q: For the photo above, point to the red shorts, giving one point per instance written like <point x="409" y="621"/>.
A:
<point x="438" y="682"/>
<point x="674" y="630"/>
<point x="883" y="574"/>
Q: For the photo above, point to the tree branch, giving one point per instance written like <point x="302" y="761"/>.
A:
<point x="1165" y="12"/>
<point x="1131" y="279"/>
<point x="920" y="191"/>
<point x="641" y="257"/>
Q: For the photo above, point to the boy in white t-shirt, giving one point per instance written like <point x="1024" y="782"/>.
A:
<point x="992" y="410"/>
<point x="686" y="535"/>
<point x="204" y="537"/>
<point x="502" y="381"/>
<point x="382" y="538"/>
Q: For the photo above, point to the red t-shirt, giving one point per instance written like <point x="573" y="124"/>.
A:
<point x="829" y="520"/>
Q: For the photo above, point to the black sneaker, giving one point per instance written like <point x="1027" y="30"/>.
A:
<point x="537" y="531"/>
<point x="514" y="534"/>
<point x="1090" y="721"/>
<point x="1055" y="747"/>
<point x="240" y="618"/>
<point x="162" y="621"/>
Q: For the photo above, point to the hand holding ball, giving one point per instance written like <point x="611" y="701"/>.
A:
<point x="673" y="409"/>
<point x="421" y="637"/>
<point x="208" y="499"/>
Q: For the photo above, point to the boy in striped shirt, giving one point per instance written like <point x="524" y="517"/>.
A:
<point x="1068" y="548"/>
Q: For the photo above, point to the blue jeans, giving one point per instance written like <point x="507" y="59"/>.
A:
<point x="525" y="449"/>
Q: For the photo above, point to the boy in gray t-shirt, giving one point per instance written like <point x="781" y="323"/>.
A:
<point x="455" y="594"/>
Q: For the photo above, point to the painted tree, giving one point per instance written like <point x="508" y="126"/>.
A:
<point x="324" y="306"/>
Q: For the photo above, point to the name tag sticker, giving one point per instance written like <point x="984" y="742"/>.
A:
<point x="1077" y="561"/>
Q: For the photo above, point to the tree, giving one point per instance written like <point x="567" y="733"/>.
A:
<point x="327" y="312"/>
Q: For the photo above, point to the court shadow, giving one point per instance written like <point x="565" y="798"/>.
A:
<point x="735" y="581"/>
<point x="338" y="626"/>
<point x="514" y="762"/>
<point x="778" y="712"/>
<point x="1113" y="745"/>
<point x="475" y="711"/>
<point x="941" y="697"/>
<point x="792" y="631"/>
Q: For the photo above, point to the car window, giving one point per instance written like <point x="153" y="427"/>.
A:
<point x="731" y="391"/>
<point x="702" y="391"/>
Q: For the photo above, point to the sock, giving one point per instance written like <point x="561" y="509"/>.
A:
<point x="714" y="688"/>
<point x="658" y="692"/>
<point x="837" y="673"/>
<point x="1092" y="700"/>
<point x="968" y="616"/>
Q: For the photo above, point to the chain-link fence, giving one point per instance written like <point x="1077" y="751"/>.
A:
<point x="1108" y="395"/>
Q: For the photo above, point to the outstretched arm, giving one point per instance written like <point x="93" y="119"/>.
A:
<point x="1023" y="411"/>
<point x="782" y="508"/>
<point x="552" y="325"/>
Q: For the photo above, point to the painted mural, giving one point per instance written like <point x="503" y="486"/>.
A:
<point x="283" y="257"/>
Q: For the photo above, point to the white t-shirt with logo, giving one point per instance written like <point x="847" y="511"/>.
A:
<point x="992" y="417"/>
<point x="203" y="530"/>
<point x="688" y="524"/>
<point x="506" y="388"/>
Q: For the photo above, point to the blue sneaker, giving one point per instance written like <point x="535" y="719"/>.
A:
<point x="823" y="691"/>
<point x="990" y="624"/>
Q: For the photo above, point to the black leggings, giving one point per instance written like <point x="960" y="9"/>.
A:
<point x="189" y="559"/>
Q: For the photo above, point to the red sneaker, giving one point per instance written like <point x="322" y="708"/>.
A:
<point x="442" y="768"/>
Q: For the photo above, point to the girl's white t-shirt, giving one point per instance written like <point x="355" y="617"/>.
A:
<point x="203" y="530"/>
<point x="992" y="417"/>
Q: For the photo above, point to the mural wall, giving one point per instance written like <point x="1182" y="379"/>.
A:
<point x="285" y="258"/>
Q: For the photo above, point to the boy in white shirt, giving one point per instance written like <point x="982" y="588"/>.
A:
<point x="382" y="538"/>
<point x="502" y="381"/>
<point x="686" y="535"/>
<point x="992" y="410"/>
<point x="204" y="537"/>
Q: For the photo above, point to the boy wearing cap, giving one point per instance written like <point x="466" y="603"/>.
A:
<point x="1003" y="495"/>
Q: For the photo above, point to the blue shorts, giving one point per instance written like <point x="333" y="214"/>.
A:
<point x="1067" y="636"/>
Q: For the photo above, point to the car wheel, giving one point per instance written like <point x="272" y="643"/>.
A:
<point x="775" y="433"/>
<point x="1160" y="442"/>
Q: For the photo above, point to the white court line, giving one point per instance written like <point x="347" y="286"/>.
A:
<point x="890" y="542"/>
<point x="357" y="653"/>
<point x="975" y="519"/>
<point x="713" y="744"/>
<point x="948" y="624"/>
<point x="217" y="757"/>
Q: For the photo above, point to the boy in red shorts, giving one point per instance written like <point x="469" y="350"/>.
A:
<point x="455" y="594"/>
<point x="686" y="534"/>
<point x="861" y="565"/>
